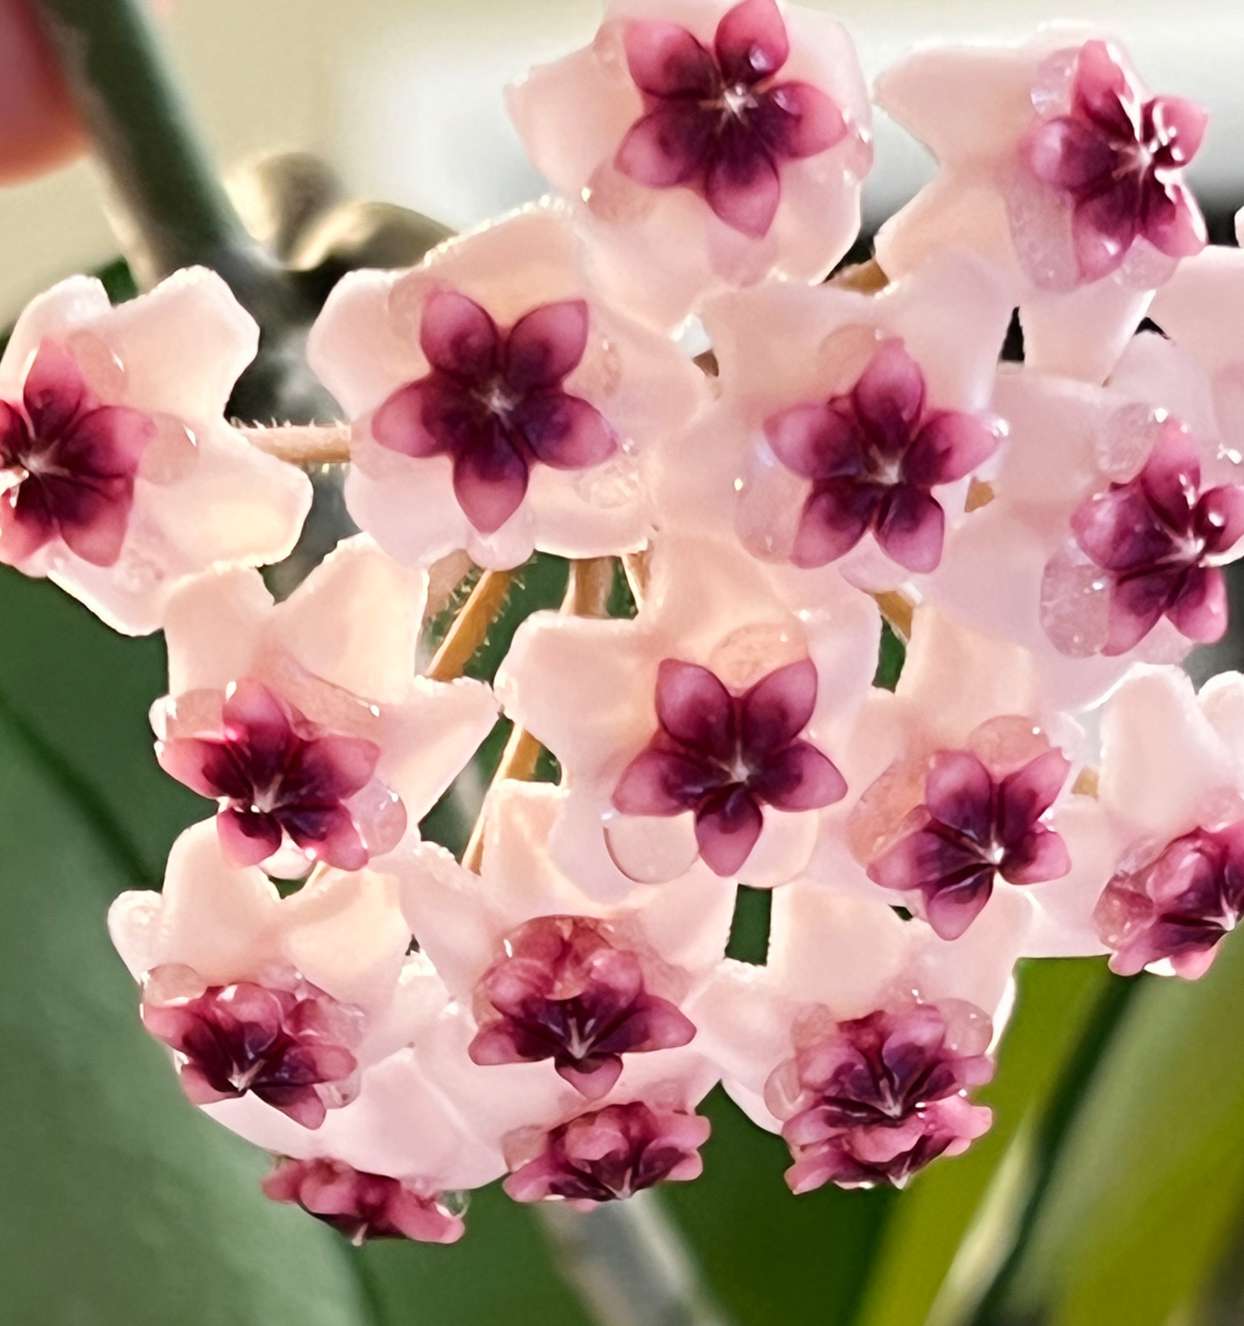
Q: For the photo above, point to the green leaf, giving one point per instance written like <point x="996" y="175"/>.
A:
<point x="104" y="1159"/>
<point x="119" y="1202"/>
<point x="1147" y="1194"/>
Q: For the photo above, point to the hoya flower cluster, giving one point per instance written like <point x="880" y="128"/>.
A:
<point x="398" y="1027"/>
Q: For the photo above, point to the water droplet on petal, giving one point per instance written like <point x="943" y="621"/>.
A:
<point x="172" y="453"/>
<point x="1051" y="88"/>
<point x="751" y="652"/>
<point x="648" y="849"/>
<point x="99" y="363"/>
<point x="1126" y="438"/>
<point x="1007" y="743"/>
<point x="770" y="502"/>
<point x="1075" y="603"/>
<point x="614" y="483"/>
<point x="612" y="197"/>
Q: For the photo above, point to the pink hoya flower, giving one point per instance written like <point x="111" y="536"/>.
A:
<point x="363" y="1206"/>
<point x="282" y="1000"/>
<point x="861" y="1036"/>
<point x="977" y="822"/>
<point x="119" y="475"/>
<point x="704" y="728"/>
<point x="1172" y="787"/>
<point x="304" y="720"/>
<point x="725" y="756"/>
<point x="545" y="1056"/>
<point x="499" y="401"/>
<point x="967" y="805"/>
<point x="555" y="977"/>
<point x="610" y="1154"/>
<point x="707" y="145"/>
<point x="1110" y="512"/>
<point x="1161" y="537"/>
<point x="1056" y="163"/>
<point x="334" y="958"/>
<point x="858" y="455"/>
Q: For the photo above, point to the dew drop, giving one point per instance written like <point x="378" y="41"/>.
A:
<point x="750" y="652"/>
<point x="99" y="364"/>
<point x="1075" y="603"/>
<point x="172" y="453"/>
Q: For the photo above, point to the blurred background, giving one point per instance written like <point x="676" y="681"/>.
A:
<point x="1111" y="1189"/>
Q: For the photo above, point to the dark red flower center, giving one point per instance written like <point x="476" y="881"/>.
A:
<point x="878" y="1098"/>
<point x="564" y="992"/>
<point x="1161" y="539"/>
<point x="493" y="401"/>
<point x="67" y="464"/>
<point x="972" y="827"/>
<point x="724" y="757"/>
<point x="717" y="121"/>
<point x="278" y="1045"/>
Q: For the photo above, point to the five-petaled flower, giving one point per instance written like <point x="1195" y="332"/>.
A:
<point x="1162" y="540"/>
<point x="274" y="773"/>
<point x="1118" y="157"/>
<point x="876" y="1098"/>
<point x="494" y="402"/>
<point x="974" y="825"/>
<point x="120" y="476"/>
<point x="726" y="756"/>
<point x="717" y="122"/>
<point x="285" y="1046"/>
<point x="70" y="464"/>
<point x="1177" y="906"/>
<point x="872" y="455"/>
<point x="564" y="992"/>
<point x="363" y="1206"/>
<point x="610" y="1154"/>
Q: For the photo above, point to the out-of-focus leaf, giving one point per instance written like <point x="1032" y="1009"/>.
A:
<point x="119" y="1202"/>
<point x="768" y="1256"/>
<point x="83" y="691"/>
<point x="905" y="1284"/>
<point x="1151" y="1183"/>
<point x="105" y="1165"/>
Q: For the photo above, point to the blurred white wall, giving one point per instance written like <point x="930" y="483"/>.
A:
<point x="404" y="97"/>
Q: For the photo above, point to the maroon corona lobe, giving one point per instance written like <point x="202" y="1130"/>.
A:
<point x="360" y="1205"/>
<point x="877" y="1098"/>
<point x="1119" y="161"/>
<point x="873" y="455"/>
<point x="718" y="122"/>
<point x="1176" y="906"/>
<point x="275" y="773"/>
<point x="612" y="1153"/>
<point x="288" y="1049"/>
<point x="564" y="992"/>
<point x="972" y="827"/>
<point x="1162" y="540"/>
<point x="724" y="757"/>
<point x="67" y="464"/>
<point x="493" y="401"/>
